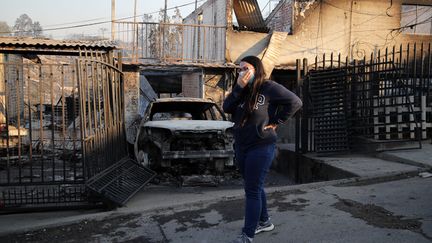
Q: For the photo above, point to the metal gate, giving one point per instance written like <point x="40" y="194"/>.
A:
<point x="383" y="103"/>
<point x="330" y="109"/>
<point x="61" y="122"/>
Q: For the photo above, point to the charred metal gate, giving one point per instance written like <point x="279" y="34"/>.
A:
<point x="377" y="104"/>
<point x="328" y="90"/>
<point x="60" y="124"/>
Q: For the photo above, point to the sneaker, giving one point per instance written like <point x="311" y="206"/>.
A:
<point x="243" y="238"/>
<point x="264" y="226"/>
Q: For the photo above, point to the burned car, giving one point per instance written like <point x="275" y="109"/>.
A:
<point x="184" y="134"/>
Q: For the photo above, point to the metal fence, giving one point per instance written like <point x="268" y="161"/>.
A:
<point x="60" y="125"/>
<point x="146" y="42"/>
<point x="380" y="103"/>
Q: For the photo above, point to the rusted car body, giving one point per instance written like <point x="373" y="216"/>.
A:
<point x="179" y="133"/>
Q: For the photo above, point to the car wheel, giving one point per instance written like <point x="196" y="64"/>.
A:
<point x="150" y="158"/>
<point x="143" y="158"/>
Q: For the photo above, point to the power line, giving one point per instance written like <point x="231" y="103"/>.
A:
<point x="75" y="22"/>
<point x="101" y="22"/>
<point x="364" y="13"/>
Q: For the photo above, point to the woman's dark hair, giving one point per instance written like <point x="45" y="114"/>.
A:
<point x="250" y="94"/>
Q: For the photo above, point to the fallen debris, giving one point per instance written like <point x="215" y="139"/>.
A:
<point x="425" y="174"/>
<point x="200" y="180"/>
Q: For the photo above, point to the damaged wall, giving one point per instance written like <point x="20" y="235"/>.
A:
<point x="280" y="19"/>
<point x="192" y="85"/>
<point x="215" y="86"/>
<point x="213" y="13"/>
<point x="131" y="101"/>
<point x="245" y="43"/>
<point x="206" y="41"/>
<point x="351" y="28"/>
<point x="13" y="87"/>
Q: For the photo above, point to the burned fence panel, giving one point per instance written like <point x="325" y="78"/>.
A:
<point x="101" y="116"/>
<point x="39" y="139"/>
<point x="61" y="123"/>
<point x="329" y="108"/>
<point x="119" y="182"/>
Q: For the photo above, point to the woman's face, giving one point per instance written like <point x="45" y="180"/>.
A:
<point x="245" y="66"/>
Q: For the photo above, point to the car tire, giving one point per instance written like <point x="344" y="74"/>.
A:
<point x="143" y="158"/>
<point x="150" y="158"/>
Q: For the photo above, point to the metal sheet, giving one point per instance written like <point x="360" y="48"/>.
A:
<point x="271" y="56"/>
<point x="249" y="14"/>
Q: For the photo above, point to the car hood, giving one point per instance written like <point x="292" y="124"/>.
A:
<point x="197" y="125"/>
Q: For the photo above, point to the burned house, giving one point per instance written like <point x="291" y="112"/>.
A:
<point x="375" y="53"/>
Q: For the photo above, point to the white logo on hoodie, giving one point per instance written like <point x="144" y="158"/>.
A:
<point x="260" y="101"/>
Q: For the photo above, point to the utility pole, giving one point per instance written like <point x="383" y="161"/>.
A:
<point x="112" y="19"/>
<point x="165" y="11"/>
<point x="163" y="29"/>
<point x="135" y="9"/>
<point x="135" y="34"/>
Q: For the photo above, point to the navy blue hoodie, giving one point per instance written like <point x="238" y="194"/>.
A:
<point x="275" y="105"/>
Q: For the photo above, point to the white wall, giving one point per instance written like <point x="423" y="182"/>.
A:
<point x="205" y="39"/>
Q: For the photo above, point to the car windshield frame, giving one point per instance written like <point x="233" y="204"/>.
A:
<point x="185" y="110"/>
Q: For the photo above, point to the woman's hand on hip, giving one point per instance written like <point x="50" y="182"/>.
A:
<point x="271" y="126"/>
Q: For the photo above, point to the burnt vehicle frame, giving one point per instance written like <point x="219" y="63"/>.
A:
<point x="185" y="135"/>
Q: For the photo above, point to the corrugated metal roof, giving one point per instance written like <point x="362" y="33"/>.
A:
<point x="171" y="66"/>
<point x="249" y="15"/>
<point x="56" y="44"/>
<point x="163" y="65"/>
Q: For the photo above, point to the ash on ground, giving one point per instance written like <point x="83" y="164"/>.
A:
<point x="230" y="178"/>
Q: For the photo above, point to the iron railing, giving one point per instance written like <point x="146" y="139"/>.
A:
<point x="383" y="101"/>
<point x="147" y="42"/>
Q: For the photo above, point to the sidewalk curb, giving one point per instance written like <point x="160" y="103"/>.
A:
<point x="394" y="158"/>
<point x="235" y="194"/>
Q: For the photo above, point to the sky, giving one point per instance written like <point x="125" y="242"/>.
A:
<point x="65" y="13"/>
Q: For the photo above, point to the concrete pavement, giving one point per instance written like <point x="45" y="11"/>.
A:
<point x="388" y="202"/>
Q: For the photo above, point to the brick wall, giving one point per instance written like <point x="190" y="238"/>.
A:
<point x="281" y="17"/>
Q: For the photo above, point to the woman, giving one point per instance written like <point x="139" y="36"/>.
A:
<point x="257" y="107"/>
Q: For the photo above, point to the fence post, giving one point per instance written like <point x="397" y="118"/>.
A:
<point x="297" y="125"/>
<point x="305" y="113"/>
<point x="297" y="117"/>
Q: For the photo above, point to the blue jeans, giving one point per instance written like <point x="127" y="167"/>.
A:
<point x="254" y="165"/>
